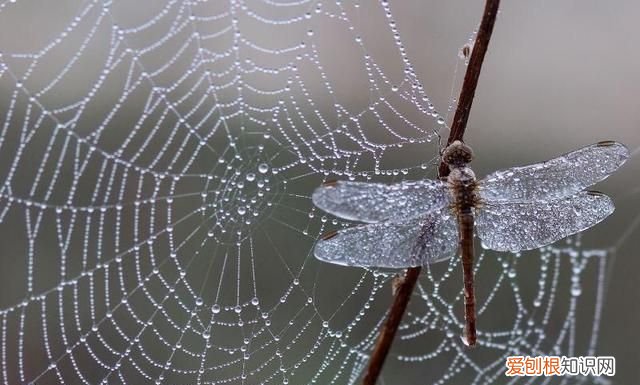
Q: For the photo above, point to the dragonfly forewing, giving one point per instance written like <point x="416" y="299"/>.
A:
<point x="556" y="178"/>
<point x="525" y="226"/>
<point x="418" y="241"/>
<point x="377" y="202"/>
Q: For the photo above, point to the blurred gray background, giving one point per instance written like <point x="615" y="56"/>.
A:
<point x="558" y="75"/>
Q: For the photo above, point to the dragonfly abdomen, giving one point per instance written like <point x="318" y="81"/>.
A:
<point x="465" y="227"/>
<point x="464" y="188"/>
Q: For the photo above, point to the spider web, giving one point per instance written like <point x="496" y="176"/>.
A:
<point x="157" y="166"/>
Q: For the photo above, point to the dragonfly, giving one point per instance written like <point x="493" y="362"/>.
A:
<point x="415" y="223"/>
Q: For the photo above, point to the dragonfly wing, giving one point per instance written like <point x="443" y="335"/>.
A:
<point x="377" y="202"/>
<point x="556" y="178"/>
<point x="525" y="226"/>
<point x="414" y="242"/>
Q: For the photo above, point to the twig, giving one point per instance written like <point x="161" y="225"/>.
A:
<point x="388" y="332"/>
<point x="405" y="288"/>
<point x="471" y="77"/>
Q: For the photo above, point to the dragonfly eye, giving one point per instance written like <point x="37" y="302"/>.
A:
<point x="457" y="154"/>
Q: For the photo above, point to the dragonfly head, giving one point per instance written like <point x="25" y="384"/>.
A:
<point x="457" y="154"/>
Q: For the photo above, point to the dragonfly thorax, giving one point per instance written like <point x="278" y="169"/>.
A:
<point x="461" y="175"/>
<point x="463" y="187"/>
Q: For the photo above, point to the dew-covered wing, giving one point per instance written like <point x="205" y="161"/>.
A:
<point x="377" y="202"/>
<point x="414" y="242"/>
<point x="556" y="178"/>
<point x="525" y="226"/>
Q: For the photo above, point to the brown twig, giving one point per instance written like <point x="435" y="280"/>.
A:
<point x="458" y="126"/>
<point x="471" y="76"/>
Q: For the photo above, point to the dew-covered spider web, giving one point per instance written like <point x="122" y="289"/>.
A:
<point x="157" y="162"/>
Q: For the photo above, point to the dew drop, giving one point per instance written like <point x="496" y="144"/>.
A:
<point x="576" y="290"/>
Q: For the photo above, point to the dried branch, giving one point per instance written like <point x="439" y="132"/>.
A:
<point x="405" y="288"/>
<point x="471" y="77"/>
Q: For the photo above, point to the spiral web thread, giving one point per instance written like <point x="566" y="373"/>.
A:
<point x="157" y="166"/>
